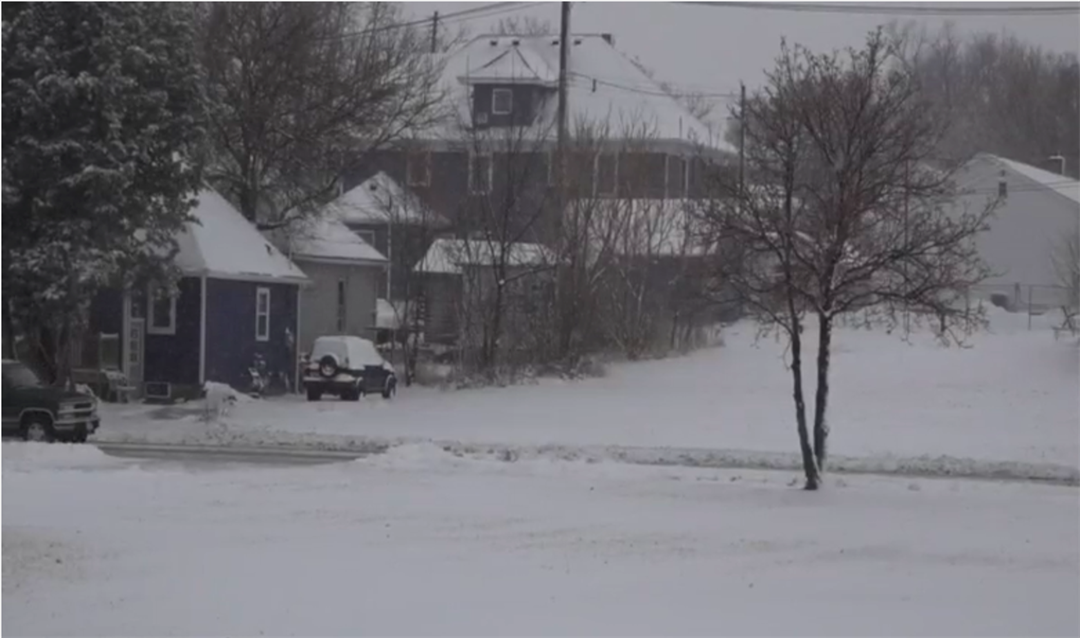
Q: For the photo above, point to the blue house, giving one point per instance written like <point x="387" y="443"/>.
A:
<point x="237" y="302"/>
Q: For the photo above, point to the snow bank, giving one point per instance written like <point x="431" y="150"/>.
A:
<point x="25" y="457"/>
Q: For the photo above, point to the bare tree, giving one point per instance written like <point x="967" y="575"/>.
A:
<point x="299" y="90"/>
<point x="1004" y="96"/>
<point x="1066" y="258"/>
<point x="847" y="210"/>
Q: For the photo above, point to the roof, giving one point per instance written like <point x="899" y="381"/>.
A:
<point x="378" y="200"/>
<point x="225" y="245"/>
<point x="327" y="238"/>
<point x="1062" y="184"/>
<point x="448" y="256"/>
<point x="603" y="85"/>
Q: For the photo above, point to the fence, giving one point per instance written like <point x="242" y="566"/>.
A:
<point x="1031" y="299"/>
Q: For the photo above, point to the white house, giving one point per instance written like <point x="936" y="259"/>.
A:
<point x="1038" y="211"/>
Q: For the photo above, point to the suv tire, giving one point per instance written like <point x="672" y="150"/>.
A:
<point x="38" y="427"/>
<point x="314" y="394"/>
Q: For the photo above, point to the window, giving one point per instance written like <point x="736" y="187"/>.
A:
<point x="418" y="169"/>
<point x="262" y="314"/>
<point x="677" y="176"/>
<point x="607" y="169"/>
<point x="341" y="306"/>
<point x="479" y="174"/>
<point x="368" y="236"/>
<point x="162" y="311"/>
<point x="502" y="101"/>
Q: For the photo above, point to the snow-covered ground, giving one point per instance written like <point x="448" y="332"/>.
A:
<point x="418" y="541"/>
<point x="1010" y="397"/>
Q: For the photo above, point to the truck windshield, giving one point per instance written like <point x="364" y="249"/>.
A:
<point x="19" y="376"/>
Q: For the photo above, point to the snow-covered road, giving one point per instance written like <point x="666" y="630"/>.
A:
<point x="418" y="541"/>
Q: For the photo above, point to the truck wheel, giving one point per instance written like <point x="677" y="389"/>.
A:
<point x="352" y="395"/>
<point x="79" y="436"/>
<point x="314" y="394"/>
<point x="38" y="428"/>
<point x="389" y="392"/>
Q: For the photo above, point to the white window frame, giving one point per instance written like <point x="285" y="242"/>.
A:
<point x="151" y="328"/>
<point x="260" y="293"/>
<point x="472" y="169"/>
<point x="494" y="101"/>
<point x="614" y="177"/>
<point x="411" y="178"/>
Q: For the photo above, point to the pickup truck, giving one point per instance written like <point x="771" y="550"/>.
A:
<point x="37" y="412"/>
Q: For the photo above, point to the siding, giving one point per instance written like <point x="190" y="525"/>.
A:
<point x="230" y="331"/>
<point x="318" y="302"/>
<point x="175" y="358"/>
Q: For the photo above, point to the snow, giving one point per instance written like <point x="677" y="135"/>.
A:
<point x="603" y="85"/>
<point x="1006" y="406"/>
<point x="381" y="199"/>
<point x="1059" y="183"/>
<point x="327" y="238"/>
<point x="387" y="314"/>
<point x="423" y="542"/>
<point x="224" y="244"/>
<point x="447" y="256"/>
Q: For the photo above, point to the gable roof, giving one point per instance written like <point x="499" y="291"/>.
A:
<point x="378" y="200"/>
<point x="1061" y="184"/>
<point x="603" y="85"/>
<point x="327" y="238"/>
<point x="225" y="245"/>
<point x="448" y="256"/>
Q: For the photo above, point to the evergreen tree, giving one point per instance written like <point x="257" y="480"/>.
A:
<point x="102" y="116"/>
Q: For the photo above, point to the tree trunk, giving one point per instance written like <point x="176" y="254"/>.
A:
<point x="821" y="426"/>
<point x="810" y="468"/>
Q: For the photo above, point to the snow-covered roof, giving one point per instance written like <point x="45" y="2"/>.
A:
<point x="1062" y="184"/>
<point x="327" y="238"/>
<point x="225" y="245"/>
<point x="448" y="256"/>
<point x="380" y="199"/>
<point x="603" y="85"/>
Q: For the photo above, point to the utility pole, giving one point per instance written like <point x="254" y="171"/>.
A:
<point x="435" y="32"/>
<point x="560" y="149"/>
<point x="742" y="139"/>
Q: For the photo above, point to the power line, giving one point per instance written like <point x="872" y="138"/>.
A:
<point x="464" y="15"/>
<point x="898" y="9"/>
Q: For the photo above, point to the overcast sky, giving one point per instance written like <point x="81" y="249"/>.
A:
<point x="711" y="49"/>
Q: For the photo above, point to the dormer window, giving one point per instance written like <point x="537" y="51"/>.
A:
<point x="502" y="101"/>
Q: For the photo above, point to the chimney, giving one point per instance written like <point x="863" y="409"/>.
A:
<point x="607" y="38"/>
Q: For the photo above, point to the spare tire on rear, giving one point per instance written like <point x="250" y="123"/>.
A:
<point x="328" y="366"/>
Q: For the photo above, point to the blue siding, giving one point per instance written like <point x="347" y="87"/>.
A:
<point x="175" y="358"/>
<point x="230" y="330"/>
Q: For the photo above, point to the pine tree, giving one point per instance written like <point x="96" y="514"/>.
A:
<point x="102" y="119"/>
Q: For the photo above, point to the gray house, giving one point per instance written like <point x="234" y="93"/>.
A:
<point x="345" y="273"/>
